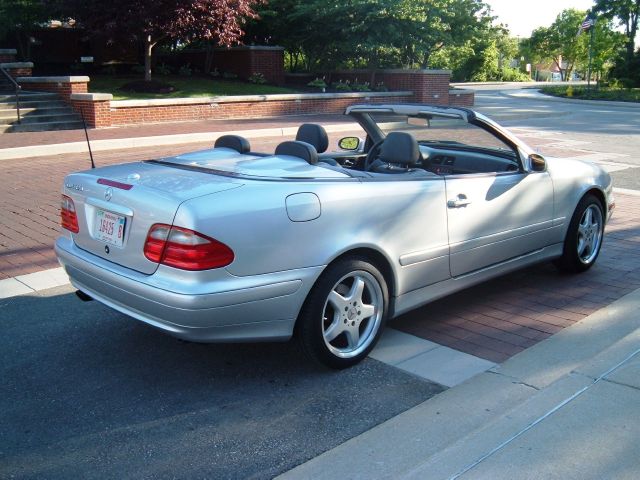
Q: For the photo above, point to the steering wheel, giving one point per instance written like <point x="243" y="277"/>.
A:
<point x="372" y="154"/>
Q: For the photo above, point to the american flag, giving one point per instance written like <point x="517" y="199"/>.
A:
<point x="587" y="24"/>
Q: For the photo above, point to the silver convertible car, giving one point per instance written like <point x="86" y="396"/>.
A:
<point x="228" y="244"/>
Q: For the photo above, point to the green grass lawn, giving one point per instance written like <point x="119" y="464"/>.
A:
<point x="617" y="94"/>
<point x="196" y="86"/>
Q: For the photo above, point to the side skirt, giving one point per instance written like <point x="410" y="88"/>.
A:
<point x="422" y="296"/>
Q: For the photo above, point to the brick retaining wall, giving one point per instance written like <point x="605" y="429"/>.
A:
<point x="63" y="86"/>
<point x="127" y="112"/>
<point x="99" y="110"/>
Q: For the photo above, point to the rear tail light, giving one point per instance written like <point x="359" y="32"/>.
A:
<point x="185" y="249"/>
<point x="68" y="216"/>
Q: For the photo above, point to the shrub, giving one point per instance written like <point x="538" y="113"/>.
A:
<point x="257" y="78"/>
<point x="361" y="87"/>
<point x="341" y="86"/>
<point x="317" y="83"/>
<point x="137" y="69"/>
<point x="229" y="75"/>
<point x="380" y="87"/>
<point x="185" y="70"/>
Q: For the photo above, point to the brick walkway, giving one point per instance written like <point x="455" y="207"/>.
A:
<point x="151" y="130"/>
<point x="494" y="320"/>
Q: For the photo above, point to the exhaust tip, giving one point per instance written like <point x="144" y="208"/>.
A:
<point x="83" y="296"/>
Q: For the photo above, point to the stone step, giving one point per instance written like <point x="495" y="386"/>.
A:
<point x="34" y="104"/>
<point x="28" y="96"/>
<point x="42" y="126"/>
<point x="10" y="113"/>
<point x="39" y="117"/>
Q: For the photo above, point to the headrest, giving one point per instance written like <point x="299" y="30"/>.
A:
<point x="400" y="148"/>
<point x="314" y="135"/>
<point x="234" y="142"/>
<point x="298" y="149"/>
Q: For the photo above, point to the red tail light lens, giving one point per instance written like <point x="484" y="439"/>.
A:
<point x="185" y="249"/>
<point x="68" y="216"/>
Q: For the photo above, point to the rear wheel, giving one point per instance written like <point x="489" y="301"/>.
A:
<point x="344" y="313"/>
<point x="584" y="236"/>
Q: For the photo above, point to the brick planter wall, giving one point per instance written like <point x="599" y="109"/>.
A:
<point x="429" y="86"/>
<point x="18" y="69"/>
<point x="95" y="108"/>
<point x="63" y="86"/>
<point x="127" y="112"/>
<point x="8" y="55"/>
<point x="461" y="98"/>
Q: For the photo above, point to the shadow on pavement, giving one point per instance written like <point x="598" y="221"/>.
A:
<point x="88" y="392"/>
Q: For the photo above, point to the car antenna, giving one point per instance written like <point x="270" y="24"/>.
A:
<point x="86" y="134"/>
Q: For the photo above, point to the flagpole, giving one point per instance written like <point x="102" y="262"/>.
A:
<point x="593" y="27"/>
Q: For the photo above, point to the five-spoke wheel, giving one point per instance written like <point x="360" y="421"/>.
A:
<point x="584" y="236"/>
<point x="344" y="314"/>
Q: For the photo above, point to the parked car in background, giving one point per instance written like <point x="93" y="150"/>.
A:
<point x="227" y="244"/>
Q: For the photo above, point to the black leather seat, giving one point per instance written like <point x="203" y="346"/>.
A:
<point x="317" y="136"/>
<point x="234" y="142"/>
<point x="298" y="149"/>
<point x="399" y="153"/>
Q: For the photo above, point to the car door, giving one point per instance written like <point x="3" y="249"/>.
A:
<point x="494" y="217"/>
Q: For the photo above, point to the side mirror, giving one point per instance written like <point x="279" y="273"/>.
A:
<point x="536" y="163"/>
<point x="349" y="143"/>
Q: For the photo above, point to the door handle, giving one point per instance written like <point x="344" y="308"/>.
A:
<point x="460" y="201"/>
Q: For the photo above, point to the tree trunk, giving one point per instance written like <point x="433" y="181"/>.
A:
<point x="148" y="49"/>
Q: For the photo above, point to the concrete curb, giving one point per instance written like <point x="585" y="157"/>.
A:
<point x="462" y="427"/>
<point x="541" y="97"/>
<point x="140" y="142"/>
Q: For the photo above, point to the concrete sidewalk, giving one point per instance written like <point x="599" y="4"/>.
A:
<point x="39" y="144"/>
<point x="566" y="408"/>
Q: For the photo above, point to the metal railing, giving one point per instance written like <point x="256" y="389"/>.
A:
<point x="17" y="90"/>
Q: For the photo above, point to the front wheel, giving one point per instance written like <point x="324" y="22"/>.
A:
<point x="584" y="237"/>
<point x="344" y="313"/>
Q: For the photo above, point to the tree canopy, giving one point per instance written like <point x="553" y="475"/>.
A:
<point x="152" y="21"/>
<point x="366" y="33"/>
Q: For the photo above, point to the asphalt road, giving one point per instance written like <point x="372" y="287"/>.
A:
<point x="607" y="134"/>
<point x="89" y="393"/>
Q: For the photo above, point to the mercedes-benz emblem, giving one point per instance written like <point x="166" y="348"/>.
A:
<point x="108" y="193"/>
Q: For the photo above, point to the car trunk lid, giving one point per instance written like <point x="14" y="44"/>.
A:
<point x="117" y="205"/>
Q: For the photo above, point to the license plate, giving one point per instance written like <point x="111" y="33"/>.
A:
<point x="109" y="227"/>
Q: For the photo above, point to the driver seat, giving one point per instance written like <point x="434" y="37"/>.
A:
<point x="399" y="153"/>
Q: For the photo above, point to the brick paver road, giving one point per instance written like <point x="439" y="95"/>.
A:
<point x="494" y="321"/>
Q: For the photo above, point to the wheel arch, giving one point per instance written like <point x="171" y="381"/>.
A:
<point x="377" y="259"/>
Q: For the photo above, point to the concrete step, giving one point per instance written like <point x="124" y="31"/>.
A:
<point x="11" y="112"/>
<point x="42" y="126"/>
<point x="34" y="104"/>
<point x="40" y="117"/>
<point x="28" y="96"/>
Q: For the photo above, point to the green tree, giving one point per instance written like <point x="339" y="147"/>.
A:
<point x="153" y="21"/>
<point x="606" y="44"/>
<point x="17" y="17"/>
<point x="367" y="33"/>
<point x="627" y="13"/>
<point x="560" y="43"/>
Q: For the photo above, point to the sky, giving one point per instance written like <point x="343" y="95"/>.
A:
<point x="524" y="16"/>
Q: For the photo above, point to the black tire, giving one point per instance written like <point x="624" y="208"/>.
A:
<point x="344" y="314"/>
<point x="584" y="236"/>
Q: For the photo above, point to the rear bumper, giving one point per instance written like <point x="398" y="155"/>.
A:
<point x="219" y="308"/>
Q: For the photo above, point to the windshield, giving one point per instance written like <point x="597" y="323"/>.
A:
<point x="440" y="130"/>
